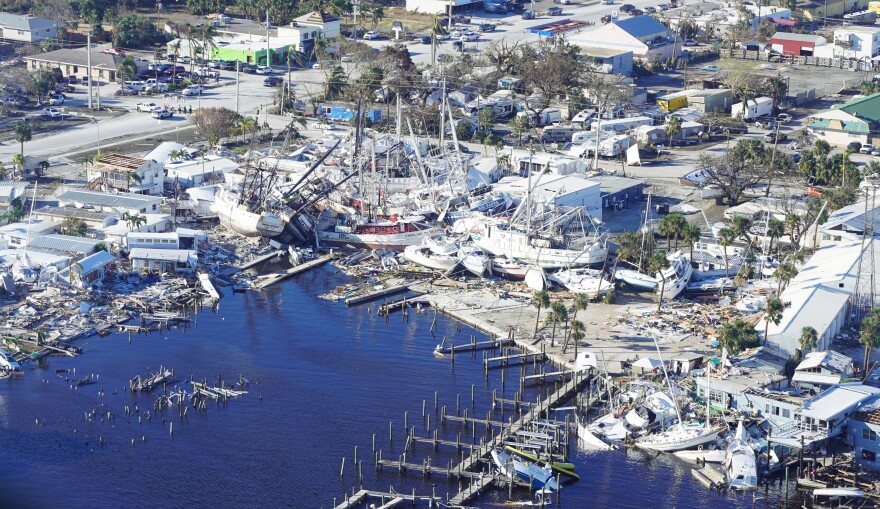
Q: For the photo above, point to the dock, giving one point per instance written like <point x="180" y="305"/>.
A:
<point x="388" y="500"/>
<point x="473" y="346"/>
<point x="378" y="294"/>
<point x="272" y="279"/>
<point x="262" y="259"/>
<point x="507" y="359"/>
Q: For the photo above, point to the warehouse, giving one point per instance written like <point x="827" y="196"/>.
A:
<point x="619" y="192"/>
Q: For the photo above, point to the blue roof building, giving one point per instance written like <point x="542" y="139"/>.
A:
<point x="647" y="38"/>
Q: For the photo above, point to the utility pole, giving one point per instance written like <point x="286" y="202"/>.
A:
<point x="237" y="83"/>
<point x="268" y="58"/>
<point x="355" y="5"/>
<point x="89" y="65"/>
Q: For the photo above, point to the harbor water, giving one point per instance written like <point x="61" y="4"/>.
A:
<point x="324" y="379"/>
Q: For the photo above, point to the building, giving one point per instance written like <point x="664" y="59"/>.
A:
<point x="852" y="121"/>
<point x="732" y="390"/>
<point x="67" y="245"/>
<point x="162" y="152"/>
<point x="118" y="203"/>
<point x="674" y="100"/>
<point x="796" y="44"/>
<point x="557" y="191"/>
<point x="118" y="233"/>
<point x="815" y="10"/>
<point x="89" y="270"/>
<point x="127" y="173"/>
<point x="464" y="95"/>
<point x="609" y="60"/>
<point x="721" y="20"/>
<point x="191" y="173"/>
<point x="150" y="240"/>
<point x="847" y="224"/>
<point x="91" y="218"/>
<point x="820" y="370"/>
<point x="17" y="235"/>
<point x="163" y="260"/>
<point x="75" y="62"/>
<point x="647" y="38"/>
<point x="522" y="162"/>
<point x="251" y="52"/>
<point x="711" y="100"/>
<point x="26" y="28"/>
<point x="619" y="192"/>
<point x="442" y="6"/>
<point x="305" y="30"/>
<point x="861" y="435"/>
<point x="856" y="42"/>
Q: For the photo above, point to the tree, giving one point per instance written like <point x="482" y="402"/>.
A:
<point x="741" y="227"/>
<point x="737" y="336"/>
<point x="519" y="126"/>
<point x="691" y="234"/>
<point x="177" y="155"/>
<point x="772" y="313"/>
<point x="725" y="238"/>
<point x="18" y="162"/>
<point x="604" y="91"/>
<point x="673" y="128"/>
<point x="558" y="313"/>
<point x="742" y="166"/>
<point x="23" y="133"/>
<point x="657" y="264"/>
<point x="775" y="230"/>
<point x="464" y="131"/>
<point x="215" y="123"/>
<point x="541" y="300"/>
<point x="42" y="82"/>
<point x="672" y="225"/>
<point x="576" y="335"/>
<point x="809" y="339"/>
<point x="784" y="273"/>
<point x="336" y="83"/>
<point x="486" y="119"/>
<point x="134" y="30"/>
<point x="869" y="335"/>
<point x="127" y="68"/>
<point x="73" y="226"/>
<point x="581" y="301"/>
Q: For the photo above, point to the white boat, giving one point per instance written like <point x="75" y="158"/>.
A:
<point x="500" y="239"/>
<point x="441" y="244"/>
<point x="509" y="268"/>
<point x="739" y="463"/>
<point x="7" y="362"/>
<point x="426" y="258"/>
<point x="702" y="455"/>
<point x="582" y="281"/>
<point x="636" y="279"/>
<point x="677" y="275"/>
<point x="234" y="215"/>
<point x="504" y="462"/>
<point x="475" y="260"/>
<point x="536" y="278"/>
<point x="393" y="233"/>
<point x="539" y="477"/>
<point x="752" y="304"/>
<point x="680" y="436"/>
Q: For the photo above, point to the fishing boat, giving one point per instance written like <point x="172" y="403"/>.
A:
<point x="393" y="232"/>
<point x="739" y="463"/>
<point x="503" y="239"/>
<point x="636" y="279"/>
<point x="509" y="268"/>
<point x="235" y="214"/>
<point x="677" y="275"/>
<point x="426" y="258"/>
<point x="475" y="260"/>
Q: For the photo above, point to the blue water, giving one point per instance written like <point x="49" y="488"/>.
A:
<point x="324" y="380"/>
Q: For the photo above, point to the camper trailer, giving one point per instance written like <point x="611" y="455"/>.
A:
<point x="557" y="134"/>
<point x="752" y="108"/>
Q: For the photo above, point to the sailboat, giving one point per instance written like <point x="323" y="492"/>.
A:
<point x="581" y="280"/>
<point x="739" y="462"/>
<point x="22" y="268"/>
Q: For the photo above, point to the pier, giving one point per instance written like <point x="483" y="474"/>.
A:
<point x="473" y="346"/>
<point x="378" y="294"/>
<point x="262" y="259"/>
<point x="393" y="499"/>
<point x="267" y="281"/>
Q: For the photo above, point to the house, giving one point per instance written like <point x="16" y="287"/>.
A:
<point x="731" y="389"/>
<point x="252" y="52"/>
<point x="829" y="411"/>
<point x="17" y="235"/>
<point x="89" y="270"/>
<point x="847" y="224"/>
<point x="26" y="28"/>
<point x="442" y="6"/>
<point x="126" y="173"/>
<point x="619" y="192"/>
<point x="557" y="191"/>
<point x="820" y="370"/>
<point x="75" y="62"/>
<point x="196" y="172"/>
<point x="777" y="406"/>
<point x="91" y="218"/>
<point x="852" y="121"/>
<point x="118" y="233"/>
<point x="539" y="163"/>
<point x="345" y="113"/>
<point x="163" y="260"/>
<point x="796" y="44"/>
<point x="162" y="152"/>
<point x="67" y="245"/>
<point x="118" y="203"/>
<point x="711" y="100"/>
<point x="647" y="38"/>
<point x="861" y="435"/>
<point x="609" y="60"/>
<point x="685" y="362"/>
<point x="722" y="20"/>
<point x="151" y="240"/>
<point x="856" y="42"/>
<point x="464" y="95"/>
<point x="302" y="34"/>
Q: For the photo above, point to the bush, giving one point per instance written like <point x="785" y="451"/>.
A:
<point x="493" y="140"/>
<point x="464" y="131"/>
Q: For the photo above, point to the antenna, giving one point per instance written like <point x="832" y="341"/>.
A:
<point x="862" y="300"/>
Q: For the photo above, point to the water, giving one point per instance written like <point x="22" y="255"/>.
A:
<point x="329" y="377"/>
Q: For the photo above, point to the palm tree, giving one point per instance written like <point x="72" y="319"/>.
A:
<point x="656" y="265"/>
<point x="672" y="225"/>
<point x="622" y="253"/>
<point x="336" y="83"/>
<point x="784" y="273"/>
<point x="869" y="335"/>
<point x="129" y="176"/>
<point x="175" y="50"/>
<point x="775" y="230"/>
<point x="208" y="35"/>
<point x="23" y="133"/>
<point x="772" y="313"/>
<point x="673" y="127"/>
<point x="581" y="301"/>
<point x="809" y="339"/>
<point x="18" y="162"/>
<point x="127" y="68"/>
<point x="177" y="154"/>
<point x="558" y="313"/>
<point x="245" y="125"/>
<point x="691" y="234"/>
<point x="541" y="300"/>
<point x="577" y="334"/>
<point x="192" y="38"/>
<point x="725" y="238"/>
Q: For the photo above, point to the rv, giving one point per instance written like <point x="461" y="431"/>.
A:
<point x="557" y="134"/>
<point x="752" y="108"/>
<point x="502" y="106"/>
<point x="622" y="124"/>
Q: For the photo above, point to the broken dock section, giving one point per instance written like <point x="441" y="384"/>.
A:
<point x="271" y="279"/>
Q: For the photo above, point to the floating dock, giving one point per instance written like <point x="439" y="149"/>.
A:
<point x="267" y="281"/>
<point x="388" y="500"/>
<point x="262" y="259"/>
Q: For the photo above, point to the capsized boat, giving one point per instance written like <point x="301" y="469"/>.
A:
<point x="581" y="280"/>
<point x="539" y="477"/>
<point x="636" y="279"/>
<point x="566" y="469"/>
<point x="739" y="463"/>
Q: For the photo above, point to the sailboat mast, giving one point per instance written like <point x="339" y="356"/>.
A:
<point x="668" y="383"/>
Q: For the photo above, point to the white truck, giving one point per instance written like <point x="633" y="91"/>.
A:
<point x="752" y="108"/>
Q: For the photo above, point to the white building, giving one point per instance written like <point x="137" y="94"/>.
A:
<point x="847" y="224"/>
<point x="151" y="240"/>
<point x="127" y="173"/>
<point x="17" y="235"/>
<point x="647" y="38"/>
<point x="441" y="6"/>
<point x="196" y="172"/>
<point x="305" y="30"/>
<point x="26" y="28"/>
<point x="118" y="203"/>
<point x="853" y="41"/>
<point x="822" y="369"/>
<point x="719" y="22"/>
<point x="163" y="260"/>
<point x="544" y="162"/>
<point x="557" y="191"/>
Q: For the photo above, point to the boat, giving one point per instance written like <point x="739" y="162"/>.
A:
<point x="537" y="476"/>
<point x="502" y="239"/>
<point x="504" y="462"/>
<point x="475" y="260"/>
<point x="739" y="463"/>
<point x="509" y="268"/>
<point x="7" y="362"/>
<point x="677" y="275"/>
<point x="840" y="497"/>
<point x="237" y="216"/>
<point x="583" y="281"/>
<point x="440" y="244"/>
<point x="566" y="469"/>
<point x="636" y="279"/>
<point x="687" y="435"/>
<point x="426" y="258"/>
<point x="714" y="286"/>
<point x="393" y="232"/>
<point x="702" y="455"/>
<point x="536" y="278"/>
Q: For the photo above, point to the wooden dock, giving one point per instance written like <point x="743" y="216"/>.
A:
<point x="542" y="377"/>
<point x="473" y="346"/>
<point x="388" y="500"/>
<point x="262" y="259"/>
<point x="378" y="294"/>
<point x="267" y="281"/>
<point x="507" y="359"/>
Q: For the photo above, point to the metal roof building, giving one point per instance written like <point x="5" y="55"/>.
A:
<point x="822" y="369"/>
<point x="111" y="202"/>
<point x="64" y="244"/>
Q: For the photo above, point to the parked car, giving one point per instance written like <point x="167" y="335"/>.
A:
<point x="193" y="90"/>
<point x="56" y="98"/>
<point x="469" y="37"/>
<point x="853" y="146"/>
<point x="207" y="73"/>
<point x="272" y="81"/>
<point x="265" y="69"/>
<point x="486" y="27"/>
<point x="636" y="12"/>
<point x="649" y="9"/>
<point x="316" y="65"/>
<point x="185" y="59"/>
<point x="458" y="18"/>
<point x="114" y="51"/>
<point x="772" y="137"/>
<point x="690" y="42"/>
<point x="528" y="14"/>
<point x="607" y="2"/>
<point x="247" y="68"/>
<point x="72" y="80"/>
<point x="456" y="34"/>
<point x="51" y="113"/>
<point x="147" y="106"/>
<point x="866" y="149"/>
<point x="563" y="2"/>
<point x="627" y="7"/>
<point x="875" y="152"/>
<point x="710" y="68"/>
<point x="372" y="34"/>
<point x="783" y="118"/>
<point x="663" y="7"/>
<point x="162" y="113"/>
<point x="227" y="65"/>
<point x="766" y="124"/>
<point x="554" y="11"/>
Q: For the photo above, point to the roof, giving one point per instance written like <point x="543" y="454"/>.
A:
<point x="78" y="57"/>
<point x="316" y="17"/>
<point x="838" y="400"/>
<point x="611" y="184"/>
<point x="24" y="22"/>
<point x="166" y="255"/>
<point x="850" y="127"/>
<point x="829" y="359"/>
<point x="162" y="152"/>
<point x="84" y="214"/>
<point x="121" y="161"/>
<point x="122" y="200"/>
<point x="12" y="190"/>
<point x="640" y="26"/>
<point x="788" y="36"/>
<point x="593" y="51"/>
<point x="21" y="229"/>
<point x="90" y="263"/>
<point x="867" y="107"/>
<point x="687" y="356"/>
<point x="852" y="218"/>
<point x="67" y="244"/>
<point x="207" y="166"/>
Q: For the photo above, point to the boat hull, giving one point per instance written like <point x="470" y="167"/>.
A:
<point x="396" y="241"/>
<point x="244" y="222"/>
<point x="671" y="442"/>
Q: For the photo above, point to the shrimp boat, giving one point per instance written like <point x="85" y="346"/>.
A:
<point x="677" y="275"/>
<point x="235" y="214"/>
<point x="393" y="232"/>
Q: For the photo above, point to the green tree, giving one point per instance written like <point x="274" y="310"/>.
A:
<point x="541" y="300"/>
<point x="558" y="313"/>
<point x="809" y="339"/>
<point x="741" y="227"/>
<point x="126" y="69"/>
<point x="580" y="303"/>
<point x="336" y="83"/>
<point x="869" y="336"/>
<point x="134" y="31"/>
<point x="73" y="226"/>
<point x="486" y="119"/>
<point x="775" y="230"/>
<point x="725" y="238"/>
<point x="657" y="264"/>
<point x="737" y="336"/>
<point x="23" y="134"/>
<point x="772" y="313"/>
<point x="673" y="128"/>
<point x="132" y="175"/>
<point x="520" y="125"/>
<point x="672" y="225"/>
<point x="576" y="335"/>
<point x="691" y="234"/>
<point x="784" y="273"/>
<point x="464" y="131"/>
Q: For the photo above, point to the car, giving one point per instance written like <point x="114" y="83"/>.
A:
<point x="372" y="34"/>
<point x="766" y="124"/>
<point x="247" y="68"/>
<point x="663" y="7"/>
<point x="875" y="152"/>
<point x="64" y="87"/>
<point x="528" y="14"/>
<point x="486" y="27"/>
<point x="51" y="113"/>
<point x="161" y="113"/>
<point x="853" y="146"/>
<point x="193" y="90"/>
<point x="690" y="42"/>
<point x="56" y="98"/>
<point x="710" y="68"/>
<point x="783" y="118"/>
<point x="627" y="7"/>
<point x="443" y="37"/>
<point x="316" y="65"/>
<point x="272" y="81"/>
<point x="636" y="12"/>
<point x="456" y="34"/>
<point x="563" y="2"/>
<point x="206" y="73"/>
<point x="649" y="9"/>
<point x="228" y="65"/>
<point x="469" y="37"/>
<point x="147" y="107"/>
<point x="73" y="80"/>
<point x="775" y="137"/>
<point x="265" y="69"/>
<point x="464" y="20"/>
<point x="866" y="149"/>
<point x="159" y="67"/>
<point x="554" y="11"/>
<point x="85" y="80"/>
<point x="113" y="51"/>
<point x="214" y="64"/>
